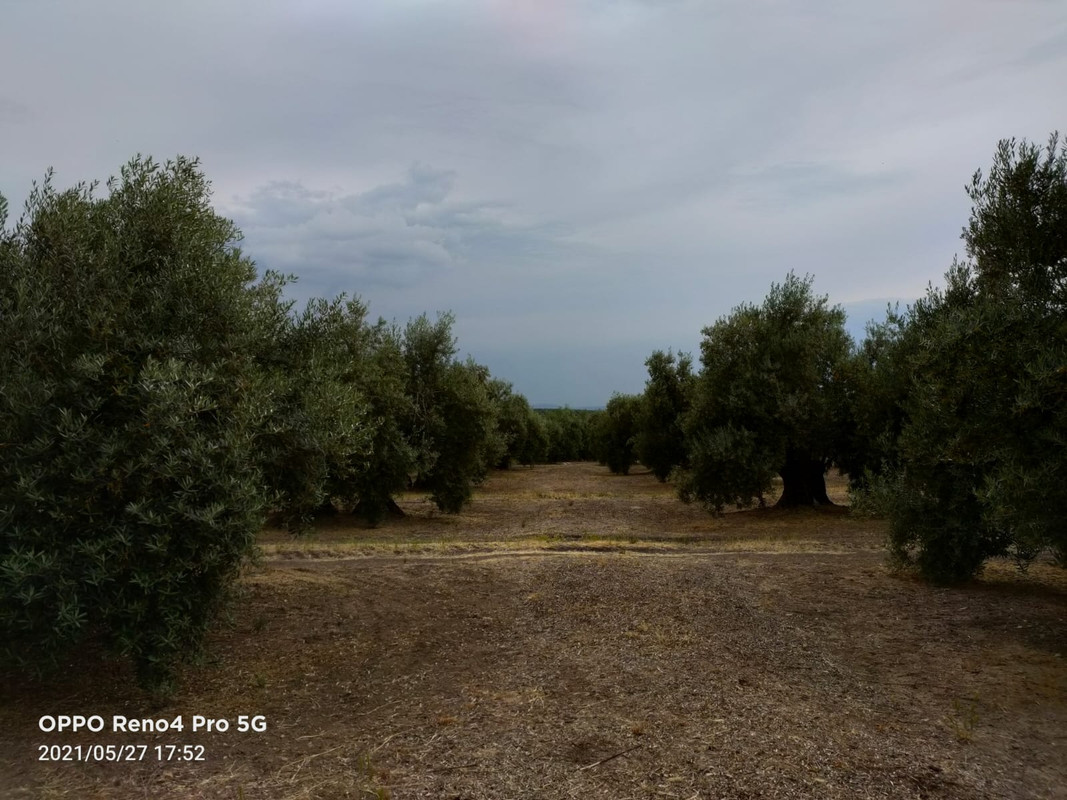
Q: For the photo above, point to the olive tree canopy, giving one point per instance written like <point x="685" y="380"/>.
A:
<point x="770" y="400"/>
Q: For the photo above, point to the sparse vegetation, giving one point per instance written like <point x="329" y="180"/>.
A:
<point x="963" y="719"/>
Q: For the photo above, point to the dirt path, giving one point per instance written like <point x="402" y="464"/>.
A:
<point x="727" y="659"/>
<point x="479" y="553"/>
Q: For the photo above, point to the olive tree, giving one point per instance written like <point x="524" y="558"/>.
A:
<point x="876" y="380"/>
<point x="452" y="419"/>
<point x="379" y="370"/>
<point x="520" y="431"/>
<point x="129" y="403"/>
<point x="571" y="433"/>
<point x="770" y="400"/>
<point x="660" y="438"/>
<point x="616" y="432"/>
<point x="982" y="448"/>
<point x="318" y="435"/>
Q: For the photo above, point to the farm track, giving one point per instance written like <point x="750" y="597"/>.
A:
<point x="487" y="554"/>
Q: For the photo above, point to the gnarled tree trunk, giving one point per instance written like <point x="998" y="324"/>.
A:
<point x="803" y="482"/>
<point x="390" y="507"/>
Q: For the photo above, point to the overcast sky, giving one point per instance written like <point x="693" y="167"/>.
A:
<point x="580" y="182"/>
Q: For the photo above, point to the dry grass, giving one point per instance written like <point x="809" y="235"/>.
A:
<point x="578" y="635"/>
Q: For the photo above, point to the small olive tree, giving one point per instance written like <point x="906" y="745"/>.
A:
<point x="660" y="441"/>
<point x="452" y="419"/>
<point x="616" y="432"/>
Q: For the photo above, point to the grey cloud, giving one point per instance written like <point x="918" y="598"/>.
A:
<point x="292" y="229"/>
<point x="283" y="204"/>
<point x="13" y="112"/>
<point x="1050" y="48"/>
<point x="424" y="186"/>
<point x="790" y="183"/>
<point x="592" y="179"/>
<point x="403" y="234"/>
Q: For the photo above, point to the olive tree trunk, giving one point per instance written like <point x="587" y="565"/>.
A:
<point x="803" y="482"/>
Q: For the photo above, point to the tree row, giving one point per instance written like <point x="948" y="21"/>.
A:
<point x="159" y="402"/>
<point x="950" y="417"/>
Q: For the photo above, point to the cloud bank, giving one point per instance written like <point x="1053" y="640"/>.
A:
<point x="580" y="182"/>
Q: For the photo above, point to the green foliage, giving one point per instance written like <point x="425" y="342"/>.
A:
<point x="129" y="401"/>
<point x="379" y="371"/>
<point x="727" y="465"/>
<point x="452" y="424"/>
<point x="616" y="432"/>
<point x="876" y="378"/>
<point x="156" y="401"/>
<point x="660" y="442"/>
<point x="317" y="437"/>
<point x="534" y="448"/>
<point x="520" y="431"/>
<point x="770" y="399"/>
<point x="944" y="444"/>
<point x="570" y="433"/>
<point x="1017" y="233"/>
<point x="982" y="464"/>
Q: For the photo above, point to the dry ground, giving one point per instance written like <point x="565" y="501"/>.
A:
<point x="580" y="635"/>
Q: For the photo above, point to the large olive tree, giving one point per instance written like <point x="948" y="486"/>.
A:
<point x="770" y="400"/>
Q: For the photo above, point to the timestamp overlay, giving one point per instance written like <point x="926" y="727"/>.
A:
<point x="118" y="739"/>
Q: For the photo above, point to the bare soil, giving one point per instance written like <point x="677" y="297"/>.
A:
<point x="580" y="635"/>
